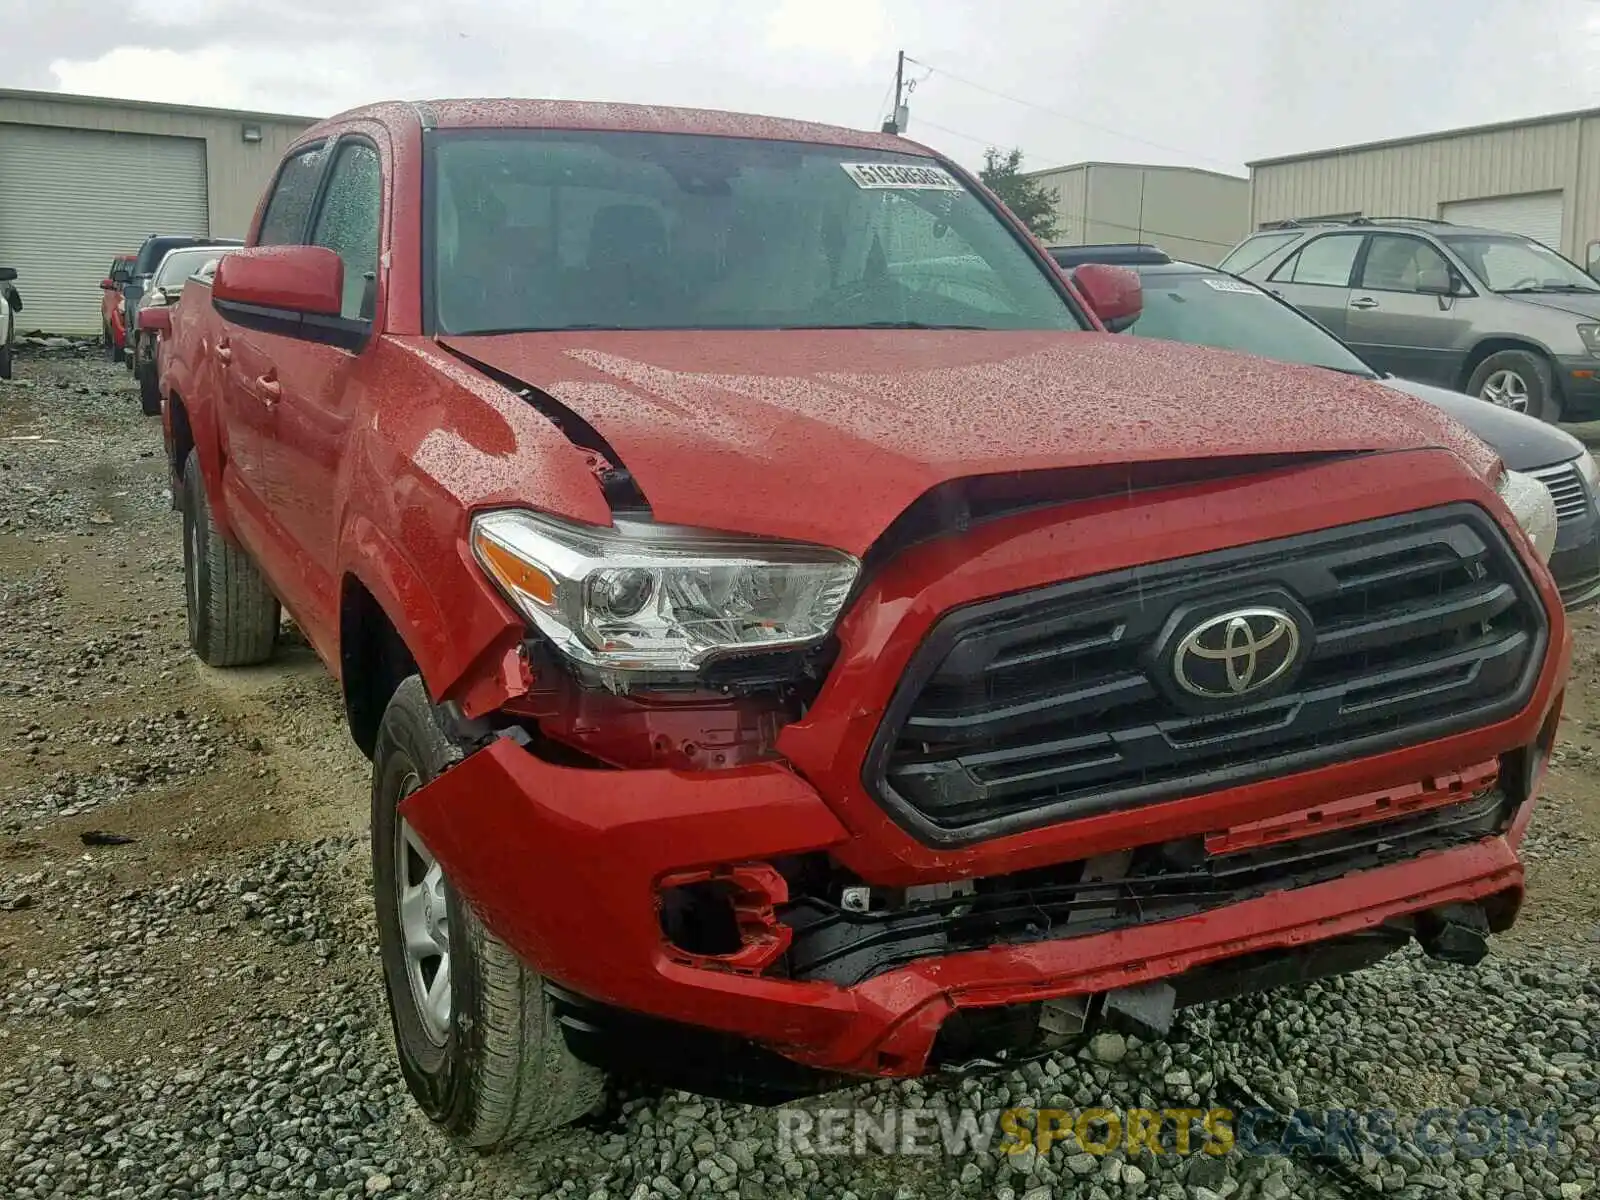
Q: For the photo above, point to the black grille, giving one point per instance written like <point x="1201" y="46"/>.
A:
<point x="1058" y="703"/>
<point x="1162" y="882"/>
<point x="1567" y="489"/>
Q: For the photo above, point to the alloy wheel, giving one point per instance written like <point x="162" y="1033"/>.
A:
<point x="424" y="908"/>
<point x="1507" y="389"/>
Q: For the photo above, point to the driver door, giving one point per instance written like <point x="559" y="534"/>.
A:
<point x="246" y="367"/>
<point x="1401" y="317"/>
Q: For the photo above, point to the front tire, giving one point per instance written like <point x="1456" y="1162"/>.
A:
<point x="5" y="361"/>
<point x="1520" y="380"/>
<point x="233" y="615"/>
<point x="478" y="1042"/>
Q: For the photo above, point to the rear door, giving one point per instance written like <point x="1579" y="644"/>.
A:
<point x="1400" y="319"/>
<point x="1316" y="278"/>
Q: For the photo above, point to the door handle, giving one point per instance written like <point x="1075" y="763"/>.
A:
<point x="1364" y="302"/>
<point x="224" y="351"/>
<point x="270" y="389"/>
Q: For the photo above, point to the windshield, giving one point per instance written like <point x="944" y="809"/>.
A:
<point x="1254" y="250"/>
<point x="1507" y="263"/>
<point x="560" y="230"/>
<point x="1220" y="311"/>
<point x="181" y="264"/>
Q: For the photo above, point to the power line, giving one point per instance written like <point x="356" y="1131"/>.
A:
<point x="1077" y="120"/>
<point x="1085" y="217"/>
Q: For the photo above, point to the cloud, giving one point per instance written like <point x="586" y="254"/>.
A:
<point x="1207" y="82"/>
<point x="854" y="30"/>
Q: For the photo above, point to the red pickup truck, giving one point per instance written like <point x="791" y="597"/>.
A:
<point x="794" y="641"/>
<point x="113" y="337"/>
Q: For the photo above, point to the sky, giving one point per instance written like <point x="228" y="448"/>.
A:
<point x="1205" y="83"/>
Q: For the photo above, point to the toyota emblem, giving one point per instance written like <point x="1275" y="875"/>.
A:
<point x="1237" y="653"/>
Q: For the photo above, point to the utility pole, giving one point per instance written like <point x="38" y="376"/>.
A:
<point x="892" y="124"/>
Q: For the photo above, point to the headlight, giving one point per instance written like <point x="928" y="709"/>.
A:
<point x="1591" y="338"/>
<point x="1531" y="504"/>
<point x="641" y="597"/>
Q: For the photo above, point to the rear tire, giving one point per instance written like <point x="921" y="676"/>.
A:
<point x="149" y="392"/>
<point x="233" y="615"/>
<point x="481" y="1052"/>
<point x="5" y="361"/>
<point x="1521" y="380"/>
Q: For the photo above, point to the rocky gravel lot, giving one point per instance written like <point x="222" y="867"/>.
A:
<point x="189" y="997"/>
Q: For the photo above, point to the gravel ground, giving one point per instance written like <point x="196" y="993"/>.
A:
<point x="189" y="998"/>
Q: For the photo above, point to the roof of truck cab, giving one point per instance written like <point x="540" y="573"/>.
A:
<point x="628" y="118"/>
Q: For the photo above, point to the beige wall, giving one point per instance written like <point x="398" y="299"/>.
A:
<point x="1414" y="178"/>
<point x="1191" y="214"/>
<point x="236" y="171"/>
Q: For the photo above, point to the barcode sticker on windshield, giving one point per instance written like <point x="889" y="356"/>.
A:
<point x="898" y="175"/>
<point x="1232" y="285"/>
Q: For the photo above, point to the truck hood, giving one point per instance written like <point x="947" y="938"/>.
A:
<point x="1524" y="443"/>
<point x="827" y="435"/>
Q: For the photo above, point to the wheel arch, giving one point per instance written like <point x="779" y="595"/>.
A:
<point x="390" y="626"/>
<point x="1488" y="346"/>
<point x="180" y="440"/>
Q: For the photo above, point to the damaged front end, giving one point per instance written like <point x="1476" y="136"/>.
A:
<point x="753" y="853"/>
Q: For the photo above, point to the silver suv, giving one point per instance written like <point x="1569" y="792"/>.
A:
<point x="1493" y="314"/>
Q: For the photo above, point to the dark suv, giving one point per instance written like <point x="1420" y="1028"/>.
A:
<point x="151" y="251"/>
<point x="1493" y="314"/>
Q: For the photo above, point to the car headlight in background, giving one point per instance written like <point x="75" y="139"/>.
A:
<point x="654" y="598"/>
<point x="1531" y="504"/>
<point x="1590" y="335"/>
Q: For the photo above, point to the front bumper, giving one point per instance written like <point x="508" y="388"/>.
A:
<point x="564" y="864"/>
<point x="568" y="865"/>
<point x="1575" y="562"/>
<point x="1578" y="376"/>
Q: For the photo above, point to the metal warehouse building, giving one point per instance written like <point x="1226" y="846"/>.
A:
<point x="1189" y="212"/>
<point x="1539" y="177"/>
<point x="83" y="179"/>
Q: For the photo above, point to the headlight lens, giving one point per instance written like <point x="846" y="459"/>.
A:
<point x="658" y="598"/>
<point x="1591" y="338"/>
<point x="1531" y="504"/>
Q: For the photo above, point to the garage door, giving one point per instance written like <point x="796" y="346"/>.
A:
<point x="1536" y="215"/>
<point x="72" y="199"/>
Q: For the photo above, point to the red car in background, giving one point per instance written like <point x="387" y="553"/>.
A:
<point x="113" y="336"/>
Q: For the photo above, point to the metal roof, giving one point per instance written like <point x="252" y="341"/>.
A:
<point x="152" y="106"/>
<point x="1129" y="166"/>
<point x="1414" y="139"/>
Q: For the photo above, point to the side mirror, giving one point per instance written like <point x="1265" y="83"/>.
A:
<point x="1451" y="285"/>
<point x="292" y="280"/>
<point x="108" y="285"/>
<point x="7" y="274"/>
<point x="156" y="319"/>
<point x="293" y="291"/>
<point x="1113" y="294"/>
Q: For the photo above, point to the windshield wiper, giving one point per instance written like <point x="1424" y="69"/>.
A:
<point x="1550" y="287"/>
